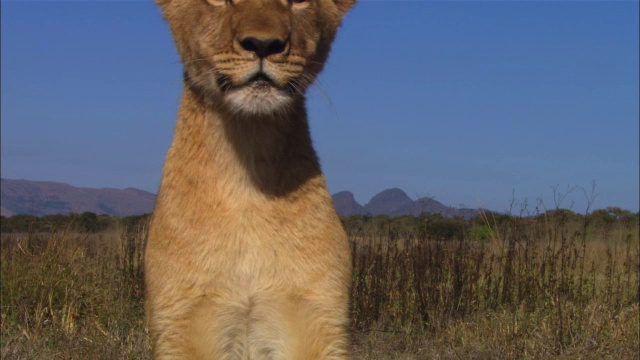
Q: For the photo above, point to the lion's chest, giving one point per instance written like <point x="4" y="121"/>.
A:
<point x="246" y="245"/>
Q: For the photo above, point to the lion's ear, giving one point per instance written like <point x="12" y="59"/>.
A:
<point x="344" y="5"/>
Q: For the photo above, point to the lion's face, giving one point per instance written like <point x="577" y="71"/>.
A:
<point x="256" y="56"/>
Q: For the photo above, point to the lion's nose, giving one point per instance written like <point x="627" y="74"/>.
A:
<point x="263" y="47"/>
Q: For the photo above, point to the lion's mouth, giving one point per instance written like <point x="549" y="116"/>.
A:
<point x="258" y="94"/>
<point x="260" y="81"/>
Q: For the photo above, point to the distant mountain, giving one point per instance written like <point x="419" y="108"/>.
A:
<point x="389" y="202"/>
<point x="395" y="202"/>
<point x="48" y="198"/>
<point x="346" y="204"/>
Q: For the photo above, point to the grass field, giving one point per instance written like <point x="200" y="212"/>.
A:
<point x="518" y="288"/>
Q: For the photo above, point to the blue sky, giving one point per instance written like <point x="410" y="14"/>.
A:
<point x="470" y="102"/>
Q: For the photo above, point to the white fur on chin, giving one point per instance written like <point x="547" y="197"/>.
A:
<point x="262" y="101"/>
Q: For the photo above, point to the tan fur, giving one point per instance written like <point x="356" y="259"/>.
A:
<point x="246" y="257"/>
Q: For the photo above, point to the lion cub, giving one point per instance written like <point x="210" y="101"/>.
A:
<point x="246" y="257"/>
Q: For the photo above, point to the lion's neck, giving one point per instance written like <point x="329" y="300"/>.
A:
<point x="215" y="150"/>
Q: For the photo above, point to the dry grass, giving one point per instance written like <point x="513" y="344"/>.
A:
<point x="537" y="289"/>
<point x="501" y="335"/>
<point x="72" y="296"/>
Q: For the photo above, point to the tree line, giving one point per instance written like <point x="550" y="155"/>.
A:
<point x="437" y="227"/>
<point x="85" y="222"/>
<point x="431" y="226"/>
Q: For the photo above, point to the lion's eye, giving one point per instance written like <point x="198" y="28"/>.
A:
<point x="217" y="2"/>
<point x="299" y="3"/>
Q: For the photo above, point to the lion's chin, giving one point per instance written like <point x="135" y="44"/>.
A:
<point x="258" y="99"/>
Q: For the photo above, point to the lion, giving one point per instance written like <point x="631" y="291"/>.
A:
<point x="246" y="257"/>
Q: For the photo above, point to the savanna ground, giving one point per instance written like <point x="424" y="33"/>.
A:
<point x="552" y="285"/>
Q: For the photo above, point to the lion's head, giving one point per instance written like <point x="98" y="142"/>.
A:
<point x="254" y="56"/>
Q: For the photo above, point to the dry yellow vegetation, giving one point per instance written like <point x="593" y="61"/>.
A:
<point x="537" y="288"/>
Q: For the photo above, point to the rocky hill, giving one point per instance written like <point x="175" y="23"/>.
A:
<point x="48" y="198"/>
<point x="346" y="204"/>
<point x="395" y="202"/>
